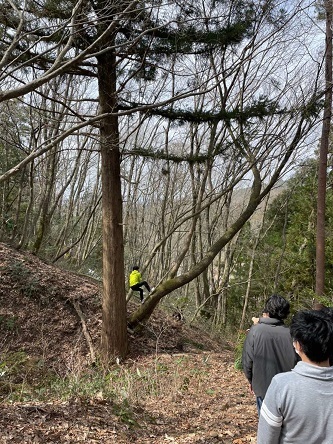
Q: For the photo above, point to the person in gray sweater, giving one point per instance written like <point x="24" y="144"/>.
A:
<point x="268" y="348"/>
<point x="298" y="406"/>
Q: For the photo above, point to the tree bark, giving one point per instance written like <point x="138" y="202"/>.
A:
<point x="114" y="328"/>
<point x="323" y="154"/>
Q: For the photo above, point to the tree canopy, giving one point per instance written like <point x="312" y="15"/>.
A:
<point x="157" y="115"/>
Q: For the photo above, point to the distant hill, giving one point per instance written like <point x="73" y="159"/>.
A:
<point x="241" y="196"/>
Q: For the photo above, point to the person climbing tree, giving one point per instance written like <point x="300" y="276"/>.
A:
<point x="136" y="282"/>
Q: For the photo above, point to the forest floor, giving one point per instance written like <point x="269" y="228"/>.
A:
<point x="178" y="385"/>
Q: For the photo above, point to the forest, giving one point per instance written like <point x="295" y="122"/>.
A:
<point x="182" y="137"/>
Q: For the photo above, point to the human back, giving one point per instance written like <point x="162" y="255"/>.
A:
<point x="268" y="348"/>
<point x="273" y="353"/>
<point x="304" y="396"/>
<point x="134" y="277"/>
<point x="298" y="406"/>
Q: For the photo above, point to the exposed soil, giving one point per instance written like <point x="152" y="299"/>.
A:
<point x="200" y="397"/>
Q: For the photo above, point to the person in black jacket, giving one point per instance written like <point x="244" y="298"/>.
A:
<point x="268" y="348"/>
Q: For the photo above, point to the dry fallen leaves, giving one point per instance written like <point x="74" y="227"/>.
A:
<point x="208" y="402"/>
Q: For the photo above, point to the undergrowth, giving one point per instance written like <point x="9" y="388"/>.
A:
<point x="25" y="281"/>
<point x="239" y="350"/>
<point x="25" y="380"/>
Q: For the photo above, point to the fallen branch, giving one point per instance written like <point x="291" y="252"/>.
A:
<point x="85" y="330"/>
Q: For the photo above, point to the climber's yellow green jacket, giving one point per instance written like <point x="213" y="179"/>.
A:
<point x="134" y="278"/>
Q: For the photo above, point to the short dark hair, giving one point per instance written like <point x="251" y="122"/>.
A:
<point x="277" y="307"/>
<point x="313" y="329"/>
<point x="135" y="267"/>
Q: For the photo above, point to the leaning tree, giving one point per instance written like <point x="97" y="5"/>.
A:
<point x="258" y="102"/>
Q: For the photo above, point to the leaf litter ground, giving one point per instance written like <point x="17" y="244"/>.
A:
<point x="182" y="385"/>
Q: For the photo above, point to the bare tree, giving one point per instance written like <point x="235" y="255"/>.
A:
<point x="247" y="111"/>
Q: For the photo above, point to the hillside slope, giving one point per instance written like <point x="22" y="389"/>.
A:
<point x="177" y="385"/>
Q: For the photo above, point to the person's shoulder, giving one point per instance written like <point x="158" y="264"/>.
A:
<point x="257" y="330"/>
<point x="261" y="325"/>
<point x="268" y="330"/>
<point x="285" y="377"/>
<point x="283" y="384"/>
<point x="273" y="324"/>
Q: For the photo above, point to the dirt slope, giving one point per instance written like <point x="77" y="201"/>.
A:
<point x="178" y="384"/>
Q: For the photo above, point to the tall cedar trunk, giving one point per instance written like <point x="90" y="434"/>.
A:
<point x="322" y="170"/>
<point x="114" y="328"/>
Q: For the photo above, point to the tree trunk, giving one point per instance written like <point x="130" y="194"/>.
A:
<point x="252" y="259"/>
<point x="322" y="170"/>
<point x="114" y="329"/>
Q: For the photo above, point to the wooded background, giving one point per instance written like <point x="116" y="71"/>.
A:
<point x="180" y="136"/>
